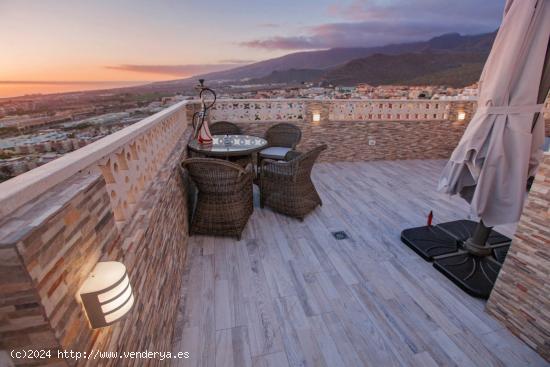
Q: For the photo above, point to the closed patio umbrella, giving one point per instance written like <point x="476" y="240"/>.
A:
<point x="502" y="145"/>
<point x="500" y="149"/>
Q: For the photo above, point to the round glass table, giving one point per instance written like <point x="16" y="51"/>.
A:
<point x="229" y="146"/>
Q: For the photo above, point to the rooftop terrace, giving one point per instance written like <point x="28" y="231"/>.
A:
<point x="287" y="293"/>
<point x="290" y="294"/>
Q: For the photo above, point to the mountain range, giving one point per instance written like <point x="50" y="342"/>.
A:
<point x="451" y="59"/>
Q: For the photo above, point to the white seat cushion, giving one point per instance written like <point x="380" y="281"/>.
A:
<point x="274" y="152"/>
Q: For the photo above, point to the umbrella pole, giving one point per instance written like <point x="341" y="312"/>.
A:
<point x="477" y="244"/>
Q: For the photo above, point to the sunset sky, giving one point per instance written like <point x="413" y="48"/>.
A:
<point x="145" y="40"/>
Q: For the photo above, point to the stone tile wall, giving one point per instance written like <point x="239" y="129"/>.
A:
<point x="23" y="323"/>
<point x="349" y="140"/>
<point x="372" y="140"/>
<point x="153" y="247"/>
<point x="521" y="296"/>
<point x="49" y="246"/>
<point x="53" y="244"/>
<point x="352" y="141"/>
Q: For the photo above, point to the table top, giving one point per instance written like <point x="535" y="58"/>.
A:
<point x="229" y="145"/>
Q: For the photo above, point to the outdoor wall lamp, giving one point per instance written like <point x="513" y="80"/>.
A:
<point x="461" y="116"/>
<point x="106" y="294"/>
<point x="316" y="117"/>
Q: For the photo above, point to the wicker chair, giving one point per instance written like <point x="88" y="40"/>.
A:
<point x="224" y="199"/>
<point x="225" y="128"/>
<point x="281" y="138"/>
<point x="287" y="187"/>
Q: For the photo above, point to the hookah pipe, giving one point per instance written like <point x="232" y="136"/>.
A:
<point x="200" y="126"/>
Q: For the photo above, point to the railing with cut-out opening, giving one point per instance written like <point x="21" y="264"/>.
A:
<point x="249" y="110"/>
<point x="128" y="170"/>
<point x="128" y="161"/>
<point x="393" y="110"/>
<point x="296" y="110"/>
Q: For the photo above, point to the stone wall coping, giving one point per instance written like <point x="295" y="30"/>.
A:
<point x="23" y="188"/>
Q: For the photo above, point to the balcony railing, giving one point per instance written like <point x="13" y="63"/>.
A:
<point x="127" y="159"/>
<point x="238" y="110"/>
<point x="377" y="110"/>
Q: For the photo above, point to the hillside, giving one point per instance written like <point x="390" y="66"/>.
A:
<point x="290" y="76"/>
<point x="451" y="59"/>
<point x="458" y="77"/>
<point x="454" y="69"/>
<point x="326" y="59"/>
<point x="457" y="69"/>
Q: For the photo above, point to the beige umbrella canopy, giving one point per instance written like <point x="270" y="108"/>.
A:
<point x="502" y="145"/>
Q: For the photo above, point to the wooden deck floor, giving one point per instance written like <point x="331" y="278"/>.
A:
<point x="289" y="294"/>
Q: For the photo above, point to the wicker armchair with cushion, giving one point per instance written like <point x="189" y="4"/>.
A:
<point x="286" y="186"/>
<point x="224" y="128"/>
<point x="224" y="199"/>
<point x="281" y="139"/>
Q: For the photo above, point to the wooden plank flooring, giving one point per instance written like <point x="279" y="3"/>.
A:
<point x="289" y="294"/>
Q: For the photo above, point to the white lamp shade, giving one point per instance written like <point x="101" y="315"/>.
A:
<point x="106" y="294"/>
<point x="462" y="115"/>
<point x="316" y="117"/>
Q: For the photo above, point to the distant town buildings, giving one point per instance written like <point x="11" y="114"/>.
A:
<point x="33" y="133"/>
<point x="360" y="91"/>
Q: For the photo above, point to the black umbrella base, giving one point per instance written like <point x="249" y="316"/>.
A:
<point x="500" y="253"/>
<point x="443" y="244"/>
<point x="475" y="275"/>
<point x="429" y="241"/>
<point x="464" y="229"/>
<point x="445" y="238"/>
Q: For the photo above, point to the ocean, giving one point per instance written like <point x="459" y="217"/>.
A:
<point x="15" y="89"/>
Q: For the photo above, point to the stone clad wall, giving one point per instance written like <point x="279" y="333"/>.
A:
<point x="56" y="240"/>
<point x="349" y="141"/>
<point x="153" y="246"/>
<point x="521" y="296"/>
<point x="49" y="246"/>
<point x="22" y="319"/>
<point x="366" y="140"/>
